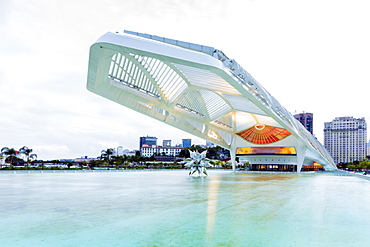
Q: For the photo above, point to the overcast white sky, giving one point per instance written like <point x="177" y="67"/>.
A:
<point x="312" y="56"/>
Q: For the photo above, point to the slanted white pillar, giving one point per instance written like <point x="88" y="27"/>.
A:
<point x="233" y="157"/>
<point x="233" y="154"/>
<point x="301" y="154"/>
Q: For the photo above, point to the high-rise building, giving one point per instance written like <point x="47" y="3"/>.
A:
<point x="345" y="138"/>
<point x="119" y="150"/>
<point x="306" y="120"/>
<point x="186" y="143"/>
<point x="148" y="140"/>
<point x="166" y="143"/>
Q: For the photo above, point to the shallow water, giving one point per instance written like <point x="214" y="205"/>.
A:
<point x="168" y="208"/>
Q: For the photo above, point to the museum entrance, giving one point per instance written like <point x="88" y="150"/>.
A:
<point x="282" y="168"/>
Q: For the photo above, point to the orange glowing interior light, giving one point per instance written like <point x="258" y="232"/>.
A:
<point x="266" y="151"/>
<point x="264" y="134"/>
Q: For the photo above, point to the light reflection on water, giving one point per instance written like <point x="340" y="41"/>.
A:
<point x="168" y="208"/>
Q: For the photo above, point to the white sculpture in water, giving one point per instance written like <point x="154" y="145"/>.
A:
<point x="198" y="163"/>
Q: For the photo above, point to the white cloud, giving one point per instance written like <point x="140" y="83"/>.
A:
<point x="50" y="150"/>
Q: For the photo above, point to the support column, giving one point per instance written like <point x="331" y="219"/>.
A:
<point x="233" y="157"/>
<point x="301" y="154"/>
<point x="233" y="154"/>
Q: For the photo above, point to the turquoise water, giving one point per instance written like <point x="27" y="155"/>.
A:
<point x="168" y="208"/>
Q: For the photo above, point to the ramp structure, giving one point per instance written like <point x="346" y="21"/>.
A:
<point x="199" y="90"/>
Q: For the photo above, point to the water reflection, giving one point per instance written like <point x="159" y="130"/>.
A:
<point x="234" y="201"/>
<point x="213" y="190"/>
<point x="172" y="209"/>
<point x="265" y="209"/>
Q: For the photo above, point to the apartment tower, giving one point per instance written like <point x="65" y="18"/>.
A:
<point x="345" y="138"/>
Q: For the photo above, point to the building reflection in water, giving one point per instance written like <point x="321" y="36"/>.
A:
<point x="213" y="189"/>
<point x="239" y="197"/>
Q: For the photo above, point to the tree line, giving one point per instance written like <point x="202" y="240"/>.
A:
<point x="108" y="159"/>
<point x="12" y="156"/>
<point x="356" y="165"/>
<point x="25" y="159"/>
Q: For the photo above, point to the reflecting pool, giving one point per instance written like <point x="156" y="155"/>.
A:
<point x="169" y="208"/>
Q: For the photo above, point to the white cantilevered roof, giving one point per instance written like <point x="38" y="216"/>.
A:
<point x="195" y="88"/>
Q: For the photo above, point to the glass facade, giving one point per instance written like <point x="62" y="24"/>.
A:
<point x="148" y="140"/>
<point x="266" y="151"/>
<point x="186" y="143"/>
<point x="287" y="168"/>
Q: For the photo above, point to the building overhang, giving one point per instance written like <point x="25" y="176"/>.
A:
<point x="197" y="89"/>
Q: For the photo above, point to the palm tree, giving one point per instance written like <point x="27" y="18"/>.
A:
<point x="33" y="157"/>
<point x="142" y="160"/>
<point x="4" y="149"/>
<point x="10" y="154"/>
<point x="125" y="161"/>
<point x="107" y="154"/>
<point x="26" y="152"/>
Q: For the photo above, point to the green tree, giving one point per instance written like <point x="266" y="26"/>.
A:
<point x="364" y="164"/>
<point x="83" y="164"/>
<point x="342" y="165"/>
<point x="119" y="161"/>
<point x="185" y="152"/>
<point x="219" y="163"/>
<point x="350" y="166"/>
<point x="95" y="163"/>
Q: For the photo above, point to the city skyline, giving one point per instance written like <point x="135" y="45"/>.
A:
<point x="316" y="65"/>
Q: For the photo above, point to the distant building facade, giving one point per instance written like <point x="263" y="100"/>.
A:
<point x="186" y="143"/>
<point x="149" y="151"/>
<point x="166" y="143"/>
<point x="306" y="120"/>
<point x="119" y="150"/>
<point x="148" y="140"/>
<point x="129" y="153"/>
<point x="345" y="138"/>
